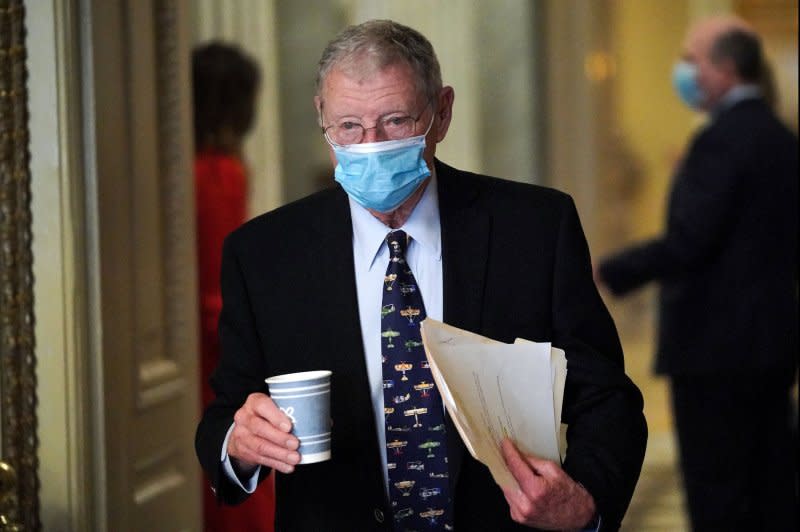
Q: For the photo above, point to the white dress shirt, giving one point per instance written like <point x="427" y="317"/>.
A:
<point x="371" y="257"/>
<point x="371" y="254"/>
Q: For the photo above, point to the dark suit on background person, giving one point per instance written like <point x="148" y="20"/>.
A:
<point x="728" y="313"/>
<point x="515" y="265"/>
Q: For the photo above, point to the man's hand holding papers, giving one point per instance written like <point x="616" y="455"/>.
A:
<point x="544" y="496"/>
<point x="505" y="400"/>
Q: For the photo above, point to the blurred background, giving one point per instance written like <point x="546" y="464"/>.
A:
<point x="573" y="94"/>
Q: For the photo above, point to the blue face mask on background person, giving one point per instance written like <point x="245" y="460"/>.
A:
<point x="381" y="175"/>
<point x="684" y="79"/>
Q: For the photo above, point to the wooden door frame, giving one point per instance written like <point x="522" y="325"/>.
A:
<point x="83" y="56"/>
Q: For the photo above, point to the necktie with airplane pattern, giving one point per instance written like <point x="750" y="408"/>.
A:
<point x="415" y="431"/>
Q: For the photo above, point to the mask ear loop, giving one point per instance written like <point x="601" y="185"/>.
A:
<point x="433" y="119"/>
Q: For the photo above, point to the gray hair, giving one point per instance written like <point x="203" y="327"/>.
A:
<point x="369" y="47"/>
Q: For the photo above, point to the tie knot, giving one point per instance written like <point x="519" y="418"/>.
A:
<point x="397" y="242"/>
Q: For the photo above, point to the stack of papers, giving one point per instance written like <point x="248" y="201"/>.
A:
<point x="495" y="390"/>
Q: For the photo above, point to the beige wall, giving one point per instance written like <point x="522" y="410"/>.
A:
<point x="777" y="22"/>
<point x="646" y="40"/>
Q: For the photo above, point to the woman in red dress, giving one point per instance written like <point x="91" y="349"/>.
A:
<point x="225" y="82"/>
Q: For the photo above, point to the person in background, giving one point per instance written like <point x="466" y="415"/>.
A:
<point x="324" y="282"/>
<point x="728" y="267"/>
<point x="224" y="84"/>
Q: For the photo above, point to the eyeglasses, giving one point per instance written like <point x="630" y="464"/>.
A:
<point x="394" y="126"/>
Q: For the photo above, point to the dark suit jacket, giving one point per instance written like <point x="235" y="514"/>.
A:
<point x="728" y="259"/>
<point x="515" y="264"/>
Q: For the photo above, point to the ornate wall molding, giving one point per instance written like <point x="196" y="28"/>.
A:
<point x="175" y="157"/>
<point x="147" y="287"/>
<point x="17" y="358"/>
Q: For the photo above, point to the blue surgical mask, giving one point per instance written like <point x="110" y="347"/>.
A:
<point x="684" y="79"/>
<point x="381" y="175"/>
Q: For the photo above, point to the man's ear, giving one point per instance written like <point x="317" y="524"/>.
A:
<point x="318" y="107"/>
<point x="728" y="68"/>
<point x="444" y="112"/>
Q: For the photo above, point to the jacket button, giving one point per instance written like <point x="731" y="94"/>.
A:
<point x="378" y="515"/>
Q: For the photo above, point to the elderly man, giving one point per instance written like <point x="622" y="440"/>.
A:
<point x="304" y="289"/>
<point x="728" y="267"/>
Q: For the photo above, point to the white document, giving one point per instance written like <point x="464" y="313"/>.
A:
<point x="494" y="390"/>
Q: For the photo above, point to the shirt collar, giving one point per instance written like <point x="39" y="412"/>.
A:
<point x="423" y="226"/>
<point x="736" y="94"/>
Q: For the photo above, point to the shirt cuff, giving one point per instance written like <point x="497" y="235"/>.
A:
<point x="248" y="485"/>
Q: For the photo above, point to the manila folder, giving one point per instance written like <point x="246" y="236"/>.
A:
<point x="495" y="390"/>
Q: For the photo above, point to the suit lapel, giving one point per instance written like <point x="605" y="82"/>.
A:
<point x="338" y="277"/>
<point x="465" y="245"/>
<point x="352" y="404"/>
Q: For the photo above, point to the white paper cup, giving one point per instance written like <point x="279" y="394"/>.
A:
<point x="306" y="398"/>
